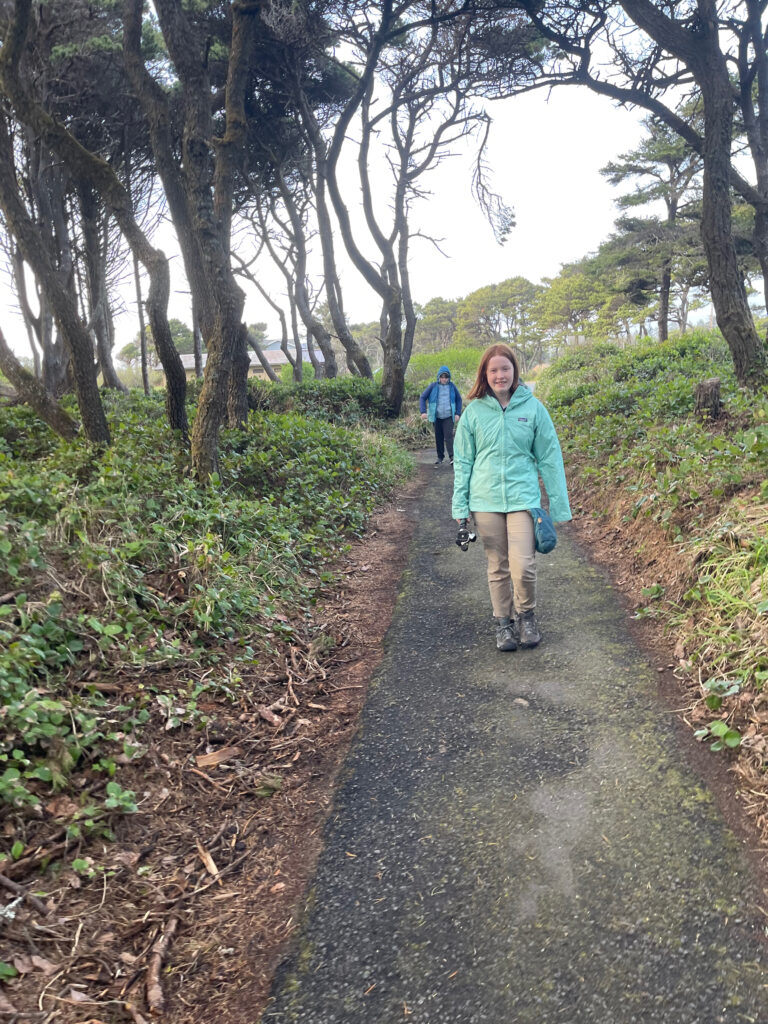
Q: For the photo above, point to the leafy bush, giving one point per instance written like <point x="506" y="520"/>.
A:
<point x="168" y="573"/>
<point x="582" y="358"/>
<point x="286" y="373"/>
<point x="592" y="389"/>
<point x="23" y="435"/>
<point x="342" y="400"/>
<point x="305" y="465"/>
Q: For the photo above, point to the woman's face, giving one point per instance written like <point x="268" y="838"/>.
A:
<point x="500" y="375"/>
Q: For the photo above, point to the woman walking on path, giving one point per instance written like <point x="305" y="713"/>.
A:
<point x="504" y="441"/>
<point x="440" y="403"/>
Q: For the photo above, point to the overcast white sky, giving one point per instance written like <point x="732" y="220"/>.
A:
<point x="545" y="154"/>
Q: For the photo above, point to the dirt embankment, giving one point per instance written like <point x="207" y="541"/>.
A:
<point x="638" y="554"/>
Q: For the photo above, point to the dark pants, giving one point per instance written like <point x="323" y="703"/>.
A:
<point x="444" y="437"/>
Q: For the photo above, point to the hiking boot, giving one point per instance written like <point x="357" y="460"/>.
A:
<point x="528" y="630"/>
<point x="506" y="639"/>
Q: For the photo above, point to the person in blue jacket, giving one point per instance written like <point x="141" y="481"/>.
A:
<point x="440" y="403"/>
<point x="505" y="441"/>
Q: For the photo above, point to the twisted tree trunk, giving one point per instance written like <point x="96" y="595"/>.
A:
<point x="95" y="260"/>
<point x="87" y="168"/>
<point x="700" y="50"/>
<point x="72" y="328"/>
<point x="729" y="294"/>
<point x="36" y="396"/>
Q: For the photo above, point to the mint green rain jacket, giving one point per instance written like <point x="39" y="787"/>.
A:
<point x="498" y="455"/>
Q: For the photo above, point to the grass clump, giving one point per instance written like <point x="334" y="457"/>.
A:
<point x="641" y="456"/>
<point x="462" y="360"/>
<point x="115" y="563"/>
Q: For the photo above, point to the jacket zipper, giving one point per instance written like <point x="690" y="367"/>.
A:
<point x="503" y="456"/>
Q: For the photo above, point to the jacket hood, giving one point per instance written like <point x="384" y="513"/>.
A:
<point x="522" y="393"/>
<point x="442" y="370"/>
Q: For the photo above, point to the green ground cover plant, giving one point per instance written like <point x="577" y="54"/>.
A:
<point x="348" y="401"/>
<point x="626" y="420"/>
<point x="116" y="561"/>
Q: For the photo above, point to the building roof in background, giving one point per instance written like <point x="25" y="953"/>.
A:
<point x="275" y="357"/>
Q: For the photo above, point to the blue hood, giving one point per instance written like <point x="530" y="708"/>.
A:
<point x="443" y="369"/>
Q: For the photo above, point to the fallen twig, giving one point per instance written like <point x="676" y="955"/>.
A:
<point x="134" y="1013"/>
<point x="216" y="757"/>
<point x="155" y="995"/>
<point x="291" y="693"/>
<point x="207" y="778"/>
<point x="222" y="872"/>
<point x="21" y="867"/>
<point x="19" y="890"/>
<point x="269" y="716"/>
<point x="208" y="861"/>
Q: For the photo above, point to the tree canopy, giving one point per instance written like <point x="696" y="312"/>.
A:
<point x="238" y="118"/>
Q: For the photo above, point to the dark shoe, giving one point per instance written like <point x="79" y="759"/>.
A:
<point x="528" y="630"/>
<point x="439" y="462"/>
<point x="505" y="636"/>
<point x="451" y="460"/>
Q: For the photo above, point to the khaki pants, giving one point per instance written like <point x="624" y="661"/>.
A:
<point x="509" y="547"/>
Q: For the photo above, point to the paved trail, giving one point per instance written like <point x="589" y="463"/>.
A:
<point x="518" y="838"/>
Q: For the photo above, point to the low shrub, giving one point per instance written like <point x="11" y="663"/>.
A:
<point x="165" y="572"/>
<point x="23" y="435"/>
<point x="342" y="400"/>
<point x="286" y="373"/>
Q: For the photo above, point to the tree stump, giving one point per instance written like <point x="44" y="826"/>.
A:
<point x="707" y="398"/>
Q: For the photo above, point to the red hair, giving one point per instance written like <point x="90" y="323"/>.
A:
<point x="481" y="387"/>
